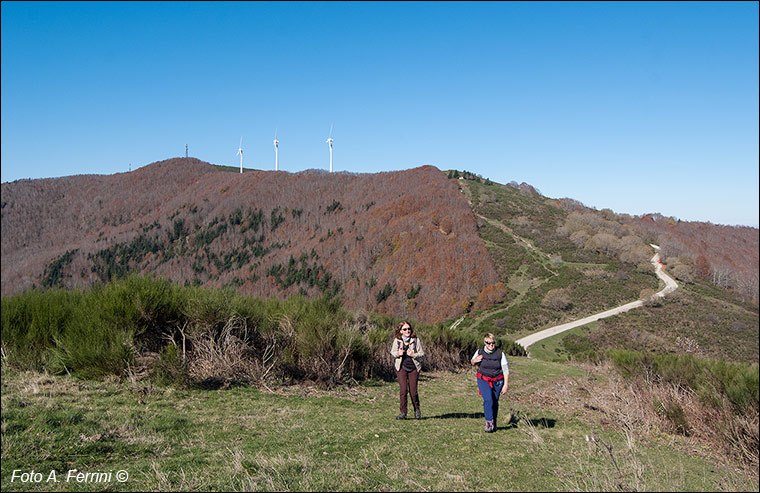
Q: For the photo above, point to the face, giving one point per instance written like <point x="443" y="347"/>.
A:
<point x="490" y="343"/>
<point x="406" y="330"/>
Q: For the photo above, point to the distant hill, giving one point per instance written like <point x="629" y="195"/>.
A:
<point x="402" y="243"/>
<point x="412" y="243"/>
<point x="560" y="261"/>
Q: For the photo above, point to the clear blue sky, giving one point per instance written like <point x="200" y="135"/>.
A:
<point x="636" y="107"/>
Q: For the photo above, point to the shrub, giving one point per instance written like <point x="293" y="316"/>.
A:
<point x="675" y="414"/>
<point x="191" y="334"/>
<point x="32" y="321"/>
<point x="650" y="298"/>
<point x="710" y="379"/>
<point x="491" y="295"/>
<point x="170" y="368"/>
<point x="556" y="299"/>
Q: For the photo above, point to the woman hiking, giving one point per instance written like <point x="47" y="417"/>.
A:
<point x="407" y="351"/>
<point x="492" y="378"/>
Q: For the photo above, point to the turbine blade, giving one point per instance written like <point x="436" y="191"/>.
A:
<point x="331" y="127"/>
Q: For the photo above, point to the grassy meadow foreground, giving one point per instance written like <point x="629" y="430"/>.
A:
<point x="567" y="432"/>
<point x="183" y="388"/>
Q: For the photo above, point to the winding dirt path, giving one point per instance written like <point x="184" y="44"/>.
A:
<point x="670" y="286"/>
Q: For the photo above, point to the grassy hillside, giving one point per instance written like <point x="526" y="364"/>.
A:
<point x="686" y="322"/>
<point x="176" y="376"/>
<point x="521" y="231"/>
<point x="300" y="438"/>
<point x="593" y="261"/>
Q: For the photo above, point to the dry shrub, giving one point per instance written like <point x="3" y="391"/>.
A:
<point x="491" y="295"/>
<point x="557" y="299"/>
<point x="221" y="355"/>
<point x="331" y="356"/>
<point x="645" y="408"/>
<point x="442" y="357"/>
<point x="650" y="298"/>
<point x="598" y="273"/>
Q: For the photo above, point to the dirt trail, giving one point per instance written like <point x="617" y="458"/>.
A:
<point x="670" y="286"/>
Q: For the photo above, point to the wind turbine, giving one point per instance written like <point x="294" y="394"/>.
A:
<point x="276" y="152"/>
<point x="240" y="151"/>
<point x="330" y="142"/>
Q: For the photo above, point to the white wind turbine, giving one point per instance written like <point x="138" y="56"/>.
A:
<point x="240" y="151"/>
<point x="276" y="152"/>
<point x="330" y="143"/>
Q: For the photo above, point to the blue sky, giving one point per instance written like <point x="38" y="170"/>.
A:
<point x="636" y="107"/>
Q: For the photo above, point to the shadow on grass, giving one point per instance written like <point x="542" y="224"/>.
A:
<point x="391" y="377"/>
<point x="456" y="416"/>
<point x="516" y="418"/>
<point x="217" y="384"/>
<point x="425" y="377"/>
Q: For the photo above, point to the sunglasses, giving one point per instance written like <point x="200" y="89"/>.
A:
<point x="402" y="330"/>
<point x="490" y="343"/>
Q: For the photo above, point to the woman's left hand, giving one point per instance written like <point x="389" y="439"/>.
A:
<point x="504" y="390"/>
<point x="411" y="353"/>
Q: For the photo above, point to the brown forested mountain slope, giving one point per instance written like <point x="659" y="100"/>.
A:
<point x="724" y="255"/>
<point x="402" y="242"/>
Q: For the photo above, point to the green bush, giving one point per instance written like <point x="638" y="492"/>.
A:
<point x="170" y="369"/>
<point x="675" y="413"/>
<point x="33" y="320"/>
<point x="105" y="329"/>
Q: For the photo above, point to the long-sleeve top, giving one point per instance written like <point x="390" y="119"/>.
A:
<point x="399" y="344"/>
<point x="504" y="364"/>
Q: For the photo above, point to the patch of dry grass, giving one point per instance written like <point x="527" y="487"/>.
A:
<point x="652" y="412"/>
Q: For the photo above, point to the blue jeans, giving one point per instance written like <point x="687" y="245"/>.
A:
<point x="490" y="398"/>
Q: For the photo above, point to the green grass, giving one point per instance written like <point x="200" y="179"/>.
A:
<point x="520" y="234"/>
<point x="301" y="438"/>
<point x="553" y="349"/>
<point x="686" y="322"/>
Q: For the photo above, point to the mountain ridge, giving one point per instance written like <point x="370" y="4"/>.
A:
<point x="405" y="243"/>
<point x="375" y="238"/>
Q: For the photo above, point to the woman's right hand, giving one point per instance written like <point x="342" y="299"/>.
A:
<point x="400" y="352"/>
<point x="477" y="359"/>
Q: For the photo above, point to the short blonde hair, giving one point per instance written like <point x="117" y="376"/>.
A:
<point x="489" y="335"/>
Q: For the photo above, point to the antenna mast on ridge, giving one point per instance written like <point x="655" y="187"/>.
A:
<point x="185" y="151"/>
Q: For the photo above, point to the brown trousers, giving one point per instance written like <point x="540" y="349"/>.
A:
<point x="411" y="376"/>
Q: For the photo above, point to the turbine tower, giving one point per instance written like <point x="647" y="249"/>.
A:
<point x="240" y="151"/>
<point x="330" y="142"/>
<point x="276" y="152"/>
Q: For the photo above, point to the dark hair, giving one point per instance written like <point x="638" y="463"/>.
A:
<point x="398" y="330"/>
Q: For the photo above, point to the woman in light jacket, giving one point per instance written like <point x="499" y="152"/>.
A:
<point x="407" y="351"/>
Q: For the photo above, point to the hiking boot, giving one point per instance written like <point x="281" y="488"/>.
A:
<point x="417" y="414"/>
<point x="401" y="416"/>
<point x="489" y="426"/>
